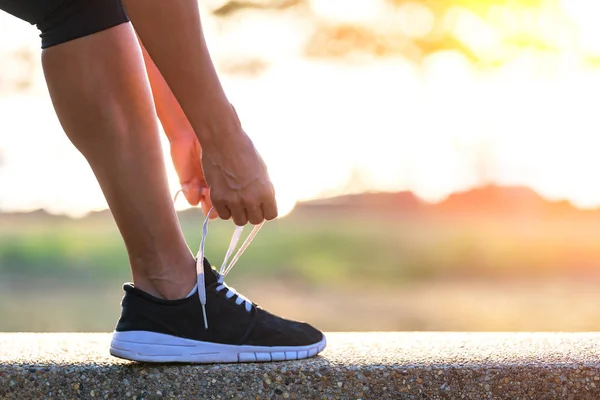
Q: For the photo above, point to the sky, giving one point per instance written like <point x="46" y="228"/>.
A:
<point x="517" y="107"/>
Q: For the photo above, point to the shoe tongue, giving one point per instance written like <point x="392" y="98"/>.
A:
<point x="210" y="274"/>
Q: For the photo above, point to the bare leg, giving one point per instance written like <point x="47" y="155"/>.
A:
<point x="101" y="94"/>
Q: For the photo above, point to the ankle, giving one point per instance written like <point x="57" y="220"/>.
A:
<point x="166" y="289"/>
<point x="166" y="281"/>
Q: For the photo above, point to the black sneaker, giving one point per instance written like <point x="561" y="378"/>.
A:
<point x="156" y="330"/>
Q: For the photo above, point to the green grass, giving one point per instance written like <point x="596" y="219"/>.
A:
<point x="339" y="271"/>
<point x="340" y="249"/>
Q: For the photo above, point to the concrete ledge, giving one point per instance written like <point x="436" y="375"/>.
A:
<point x="354" y="366"/>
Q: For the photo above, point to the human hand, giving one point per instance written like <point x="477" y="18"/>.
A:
<point x="185" y="153"/>
<point x="240" y="187"/>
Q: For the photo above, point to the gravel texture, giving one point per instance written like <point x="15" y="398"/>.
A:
<point x="354" y="366"/>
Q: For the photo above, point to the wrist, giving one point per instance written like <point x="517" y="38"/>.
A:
<point x="219" y="128"/>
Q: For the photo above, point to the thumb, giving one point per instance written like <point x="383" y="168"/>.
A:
<point x="207" y="203"/>
<point x="192" y="193"/>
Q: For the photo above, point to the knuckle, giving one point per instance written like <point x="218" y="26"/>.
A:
<point x="271" y="213"/>
<point x="268" y="199"/>
<point x="234" y="201"/>
<point x="217" y="199"/>
<point x="248" y="200"/>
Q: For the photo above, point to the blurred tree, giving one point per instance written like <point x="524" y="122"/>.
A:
<point x="231" y="7"/>
<point x="481" y="30"/>
<point x="484" y="31"/>
<point x="480" y="7"/>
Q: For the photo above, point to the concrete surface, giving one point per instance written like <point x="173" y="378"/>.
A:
<point x="354" y="366"/>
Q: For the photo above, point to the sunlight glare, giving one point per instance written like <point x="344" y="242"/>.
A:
<point x="584" y="14"/>
<point x="478" y="35"/>
<point x="380" y="123"/>
<point x="348" y="11"/>
<point x="416" y="20"/>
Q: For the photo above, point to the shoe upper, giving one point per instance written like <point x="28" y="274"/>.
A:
<point x="230" y="322"/>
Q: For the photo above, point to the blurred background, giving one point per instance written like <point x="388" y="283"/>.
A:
<point x="438" y="162"/>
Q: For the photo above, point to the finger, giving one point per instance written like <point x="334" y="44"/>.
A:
<point x="197" y="184"/>
<point x="192" y="193"/>
<point x="222" y="209"/>
<point x="186" y="160"/>
<point x="269" y="210"/>
<point x="207" y="204"/>
<point x="206" y="209"/>
<point x="255" y="215"/>
<point x="238" y="213"/>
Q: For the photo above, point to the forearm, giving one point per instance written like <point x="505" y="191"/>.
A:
<point x="172" y="34"/>
<point x="174" y="121"/>
<point x="237" y="176"/>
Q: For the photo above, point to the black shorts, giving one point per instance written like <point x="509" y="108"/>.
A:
<point x="62" y="20"/>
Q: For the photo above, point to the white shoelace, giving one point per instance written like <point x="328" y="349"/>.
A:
<point x="225" y="268"/>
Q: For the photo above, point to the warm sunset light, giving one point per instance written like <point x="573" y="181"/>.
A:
<point x="436" y="164"/>
<point x="391" y="95"/>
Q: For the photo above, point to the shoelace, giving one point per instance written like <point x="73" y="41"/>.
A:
<point x="225" y="268"/>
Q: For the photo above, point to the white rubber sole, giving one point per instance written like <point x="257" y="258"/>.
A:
<point x="160" y="348"/>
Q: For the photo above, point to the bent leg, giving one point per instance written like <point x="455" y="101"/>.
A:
<point x="100" y="91"/>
